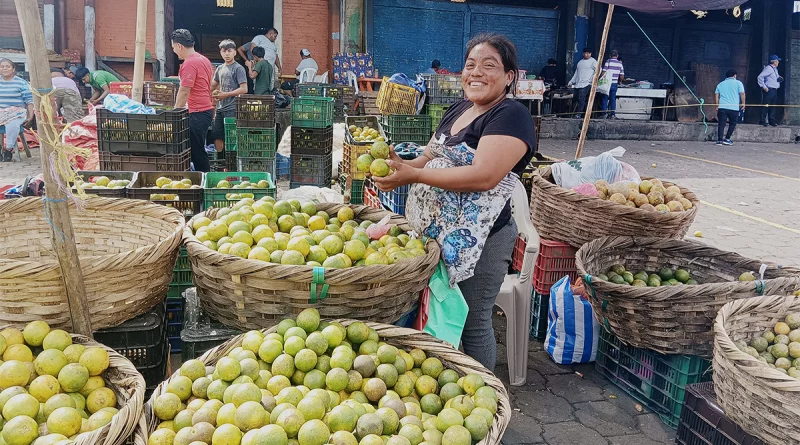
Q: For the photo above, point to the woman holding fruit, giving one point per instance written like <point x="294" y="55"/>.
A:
<point x="462" y="184"/>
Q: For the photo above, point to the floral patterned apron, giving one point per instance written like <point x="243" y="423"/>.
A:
<point x="459" y="221"/>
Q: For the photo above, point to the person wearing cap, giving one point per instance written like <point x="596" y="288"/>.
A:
<point x="196" y="75"/>
<point x="436" y="65"/>
<point x="68" y="98"/>
<point x="730" y="101"/>
<point x="582" y="80"/>
<point x="100" y="82"/>
<point x="306" y="62"/>
<point x="769" y="81"/>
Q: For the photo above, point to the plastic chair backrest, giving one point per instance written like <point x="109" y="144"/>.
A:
<point x="321" y="78"/>
<point x="307" y="75"/>
<point x="520" y="209"/>
<point x="352" y="80"/>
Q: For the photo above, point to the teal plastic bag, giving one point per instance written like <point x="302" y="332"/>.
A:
<point x="447" y="310"/>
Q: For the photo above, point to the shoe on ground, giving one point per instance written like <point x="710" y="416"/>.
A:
<point x="727" y="142"/>
<point x="773" y="124"/>
<point x="578" y="116"/>
<point x="718" y="143"/>
<point x="8" y="156"/>
<point x="763" y="124"/>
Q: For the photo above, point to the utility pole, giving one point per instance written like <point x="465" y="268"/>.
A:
<point x="138" y="60"/>
<point x="55" y="202"/>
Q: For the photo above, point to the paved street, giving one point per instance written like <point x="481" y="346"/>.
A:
<point x="749" y="205"/>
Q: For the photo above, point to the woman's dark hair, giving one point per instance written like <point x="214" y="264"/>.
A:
<point x="258" y="52"/>
<point x="507" y="51"/>
<point x="81" y="72"/>
<point x="552" y="62"/>
<point x="10" y="62"/>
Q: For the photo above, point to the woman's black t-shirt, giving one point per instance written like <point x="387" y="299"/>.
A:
<point x="508" y="118"/>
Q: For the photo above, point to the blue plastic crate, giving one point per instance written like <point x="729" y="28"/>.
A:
<point x="283" y="166"/>
<point x="175" y="323"/>
<point x="395" y="200"/>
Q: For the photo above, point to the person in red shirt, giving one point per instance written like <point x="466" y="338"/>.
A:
<point x="195" y="91"/>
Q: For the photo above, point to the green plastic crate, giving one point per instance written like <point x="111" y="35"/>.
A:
<point x="217" y="198"/>
<point x="175" y="291"/>
<point x="230" y="134"/>
<point x="656" y="380"/>
<point x="256" y="143"/>
<point x="312" y="112"/>
<point x="182" y="274"/>
<point x="407" y="128"/>
<point x="436" y="112"/>
<point x="356" y="189"/>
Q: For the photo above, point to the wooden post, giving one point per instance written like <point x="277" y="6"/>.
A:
<point x="161" y="45"/>
<point x="590" y="105"/>
<point x="138" y="60"/>
<point x="50" y="24"/>
<point x="89" y="23"/>
<point x="56" y="206"/>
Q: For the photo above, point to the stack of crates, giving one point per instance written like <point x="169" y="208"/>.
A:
<point x="442" y="90"/>
<point x="312" y="141"/>
<point x="256" y="137"/>
<point x="344" y="100"/>
<point x="555" y="260"/>
<point x="703" y="421"/>
<point x="181" y="280"/>
<point x="352" y="149"/>
<point x="188" y="201"/>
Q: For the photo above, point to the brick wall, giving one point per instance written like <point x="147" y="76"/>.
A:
<point x="116" y="28"/>
<point x="305" y="25"/>
<point x="9" y="24"/>
<point x="76" y="26"/>
<point x="640" y="59"/>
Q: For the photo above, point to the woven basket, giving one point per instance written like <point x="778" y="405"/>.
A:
<point x="393" y="335"/>
<point x="672" y="319"/>
<point x="250" y="294"/>
<point x="763" y="401"/>
<point x="127" y="250"/>
<point x="561" y="214"/>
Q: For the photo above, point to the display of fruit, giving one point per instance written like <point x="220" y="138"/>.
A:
<point x="164" y="183"/>
<point x="665" y="276"/>
<point x="244" y="185"/>
<point x="291" y="233"/>
<point x="374" y="162"/>
<point x="53" y="396"/>
<point x="365" y="134"/>
<point x="778" y="347"/>
<point x="314" y="383"/>
<point x="100" y="182"/>
<point x="650" y="194"/>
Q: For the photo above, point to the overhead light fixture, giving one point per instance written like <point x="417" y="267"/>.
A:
<point x="225" y="3"/>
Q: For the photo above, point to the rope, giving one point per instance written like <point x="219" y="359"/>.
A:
<point x="61" y="169"/>
<point x="673" y="70"/>
<point x="61" y="235"/>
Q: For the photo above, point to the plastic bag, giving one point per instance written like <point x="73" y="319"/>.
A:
<point x="591" y="169"/>
<point x="117" y="103"/>
<point x="586" y="189"/>
<point x="447" y="309"/>
<point x="572" y="331"/>
<point x="316" y="194"/>
<point x="604" y="83"/>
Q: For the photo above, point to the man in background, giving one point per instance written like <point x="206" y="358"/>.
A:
<point x="195" y="93"/>
<point x="68" y="98"/>
<point x="549" y="72"/>
<point x="730" y="101"/>
<point x="769" y="80"/>
<point x="100" y="82"/>
<point x="435" y="65"/>
<point x="229" y="81"/>
<point x="613" y="66"/>
<point x="582" y="80"/>
<point x="266" y="41"/>
<point x="261" y="72"/>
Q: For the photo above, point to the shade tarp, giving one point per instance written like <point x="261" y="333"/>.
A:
<point x="656" y="6"/>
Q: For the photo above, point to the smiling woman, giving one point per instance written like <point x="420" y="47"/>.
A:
<point x="463" y="182"/>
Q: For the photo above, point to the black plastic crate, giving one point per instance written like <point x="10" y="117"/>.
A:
<point x="188" y="201"/>
<point x="262" y="165"/>
<point x="310" y="89"/>
<point x="395" y="200"/>
<point x="141" y="340"/>
<point x="311" y="170"/>
<point x="342" y="95"/>
<point x="88" y="176"/>
<point x="156" y="373"/>
<point x="443" y="89"/>
<point x="312" y="141"/>
<point x="160" y="94"/>
<point x="196" y="341"/>
<point x="414" y="128"/>
<point x="704" y="423"/>
<point x="256" y="142"/>
<point x="175" y="308"/>
<point x="540" y="305"/>
<point x="253" y="111"/>
<point x="172" y="163"/>
<point x="165" y="133"/>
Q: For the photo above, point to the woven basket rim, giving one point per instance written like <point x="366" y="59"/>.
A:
<point x="539" y="180"/>
<point x="726" y="351"/>
<point x="305" y="273"/>
<point x="387" y="332"/>
<point x="673" y="293"/>
<point x="166" y="214"/>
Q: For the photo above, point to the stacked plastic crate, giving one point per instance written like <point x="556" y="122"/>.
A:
<point x="400" y="128"/>
<point x="353" y="183"/>
<point x="312" y="141"/>
<point x="442" y="90"/>
<point x="256" y="137"/>
<point x="555" y="260"/>
<point x="344" y="100"/>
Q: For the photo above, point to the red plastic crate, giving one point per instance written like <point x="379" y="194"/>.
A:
<point x="519" y="254"/>
<point x="124" y="88"/>
<point x="371" y="197"/>
<point x="555" y="260"/>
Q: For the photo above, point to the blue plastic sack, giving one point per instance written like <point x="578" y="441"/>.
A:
<point x="572" y="331"/>
<point x="118" y="103"/>
<point x="402" y="79"/>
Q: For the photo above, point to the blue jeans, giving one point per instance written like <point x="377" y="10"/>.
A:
<point x="612" y="97"/>
<point x="12" y="132"/>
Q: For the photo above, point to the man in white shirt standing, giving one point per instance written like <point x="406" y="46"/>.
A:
<point x="582" y="80"/>
<point x="266" y="41"/>
<point x="769" y="81"/>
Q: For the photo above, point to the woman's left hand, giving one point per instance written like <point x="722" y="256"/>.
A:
<point x="404" y="174"/>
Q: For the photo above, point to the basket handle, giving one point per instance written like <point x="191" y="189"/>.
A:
<point x="587" y="278"/>
<point x="318" y="278"/>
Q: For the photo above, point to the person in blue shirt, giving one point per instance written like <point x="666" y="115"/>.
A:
<point x="730" y="101"/>
<point x="436" y="65"/>
<point x="769" y="81"/>
<point x="16" y="106"/>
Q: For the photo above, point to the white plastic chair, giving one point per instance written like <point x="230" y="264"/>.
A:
<point x="321" y="78"/>
<point x="515" y="293"/>
<point x="307" y="75"/>
<point x="352" y="80"/>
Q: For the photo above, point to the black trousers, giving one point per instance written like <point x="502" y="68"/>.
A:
<point x="583" y="96"/>
<point x="198" y="130"/>
<point x="726" y="115"/>
<point x="768" y="97"/>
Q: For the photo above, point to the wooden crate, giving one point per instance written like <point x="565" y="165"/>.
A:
<point x="367" y="103"/>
